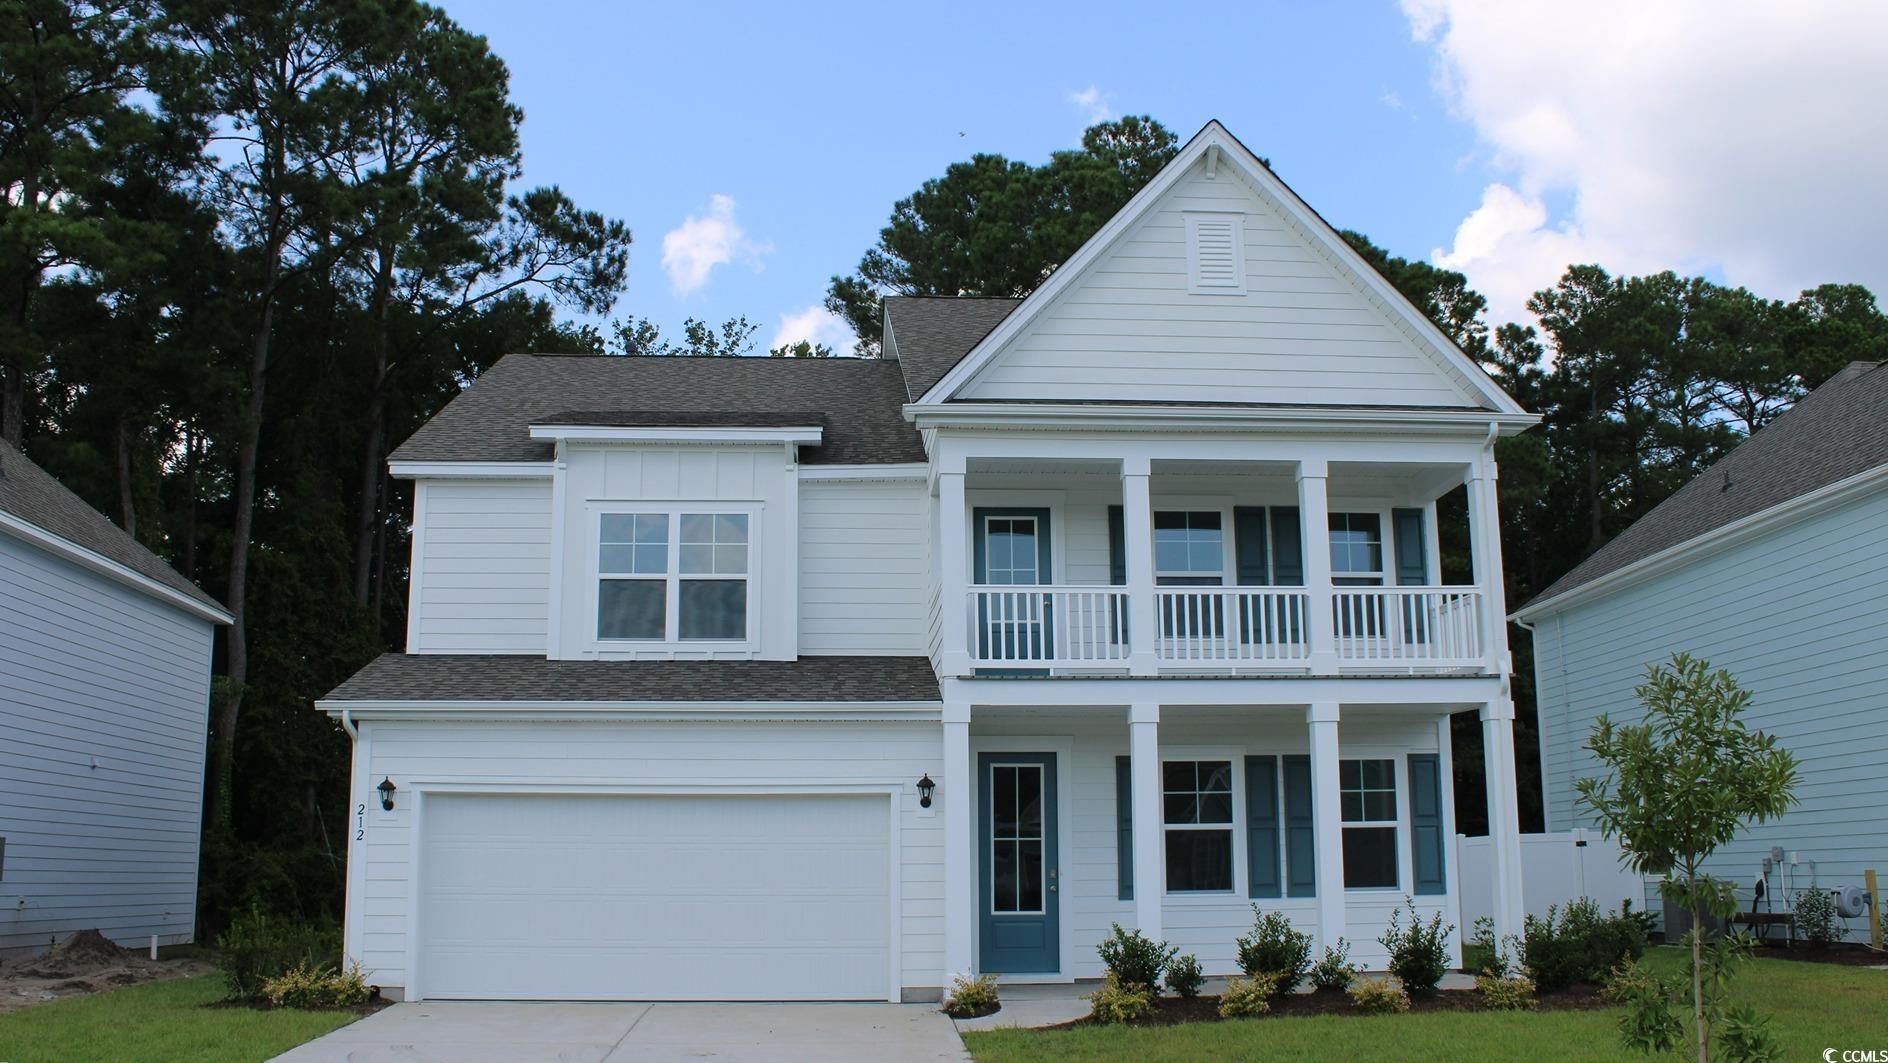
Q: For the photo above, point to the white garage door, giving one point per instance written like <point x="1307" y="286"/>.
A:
<point x="779" y="897"/>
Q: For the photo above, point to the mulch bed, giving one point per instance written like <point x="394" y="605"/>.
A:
<point x="1847" y="955"/>
<point x="1172" y="1011"/>
<point x="374" y="1003"/>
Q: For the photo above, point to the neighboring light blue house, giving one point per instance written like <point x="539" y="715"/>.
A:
<point x="104" y="710"/>
<point x="1772" y="564"/>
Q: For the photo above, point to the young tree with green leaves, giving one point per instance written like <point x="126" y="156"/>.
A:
<point x="1683" y="781"/>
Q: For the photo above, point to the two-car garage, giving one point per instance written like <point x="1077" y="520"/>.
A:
<point x="654" y="896"/>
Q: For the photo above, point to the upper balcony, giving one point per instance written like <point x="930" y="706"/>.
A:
<point x="1223" y="567"/>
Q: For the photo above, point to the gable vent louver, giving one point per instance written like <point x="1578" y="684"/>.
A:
<point x="1216" y="254"/>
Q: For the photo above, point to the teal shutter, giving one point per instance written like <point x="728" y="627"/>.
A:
<point x="1301" y="845"/>
<point x="1412" y="556"/>
<point x="1117" y="547"/>
<point x="1124" y="827"/>
<point x="1248" y="529"/>
<point x="1288" y="559"/>
<point x="1262" y="830"/>
<point x="1425" y="824"/>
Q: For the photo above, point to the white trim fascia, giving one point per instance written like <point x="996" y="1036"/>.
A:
<point x="471" y="470"/>
<point x="1419" y="692"/>
<point x="1214" y="135"/>
<point x="1802" y="507"/>
<point x="1170" y="419"/>
<point x="865" y="473"/>
<point x="801" y="435"/>
<point x="807" y="711"/>
<point x="87" y="558"/>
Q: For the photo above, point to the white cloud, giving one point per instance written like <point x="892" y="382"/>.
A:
<point x="815" y="325"/>
<point x="1392" y="99"/>
<point x="692" y="250"/>
<point x="1738" y="136"/>
<point x="1093" y="103"/>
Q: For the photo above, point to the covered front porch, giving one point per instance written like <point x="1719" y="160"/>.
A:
<point x="1176" y="817"/>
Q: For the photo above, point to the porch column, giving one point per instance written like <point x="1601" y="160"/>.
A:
<point x="1137" y="539"/>
<point x="1150" y="880"/>
<point x="1484" y="526"/>
<point x="960" y="886"/>
<point x="953" y="577"/>
<point x="1314" y="518"/>
<point x="1327" y="821"/>
<point x="1504" y="819"/>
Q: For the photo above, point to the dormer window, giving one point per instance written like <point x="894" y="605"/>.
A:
<point x="673" y="577"/>
<point x="1216" y="253"/>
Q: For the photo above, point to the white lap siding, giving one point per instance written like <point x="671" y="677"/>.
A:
<point x="481" y="567"/>
<point x="512" y="757"/>
<point x="1204" y="925"/>
<point x="863" y="555"/>
<point x="104" y="705"/>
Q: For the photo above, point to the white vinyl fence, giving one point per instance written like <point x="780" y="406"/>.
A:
<point x="1555" y="868"/>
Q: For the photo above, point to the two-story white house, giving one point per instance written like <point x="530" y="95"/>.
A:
<point x="832" y="679"/>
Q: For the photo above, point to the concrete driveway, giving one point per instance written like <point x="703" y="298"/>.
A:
<point x="463" y="1032"/>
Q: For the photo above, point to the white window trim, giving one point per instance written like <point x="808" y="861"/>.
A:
<point x="1400" y="823"/>
<point x="989" y="855"/>
<point x="1228" y="570"/>
<point x="1193" y="754"/>
<point x="671" y="640"/>
<point x="1237" y="220"/>
<point x="1385" y="547"/>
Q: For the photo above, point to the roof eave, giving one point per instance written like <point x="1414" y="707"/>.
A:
<point x="1788" y="511"/>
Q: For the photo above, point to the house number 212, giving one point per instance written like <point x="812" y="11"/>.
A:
<point x="360" y="822"/>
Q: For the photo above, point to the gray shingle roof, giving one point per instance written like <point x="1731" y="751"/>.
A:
<point x="933" y="335"/>
<point x="1835" y="432"/>
<point x="490" y="421"/>
<point x="496" y="677"/>
<point x="34" y="496"/>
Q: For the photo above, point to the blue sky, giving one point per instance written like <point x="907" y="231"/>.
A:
<point x="1437" y="127"/>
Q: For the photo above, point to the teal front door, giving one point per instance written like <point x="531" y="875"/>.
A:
<point x="1020" y="892"/>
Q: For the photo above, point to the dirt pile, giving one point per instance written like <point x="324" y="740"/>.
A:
<point x="86" y="962"/>
<point x="86" y="952"/>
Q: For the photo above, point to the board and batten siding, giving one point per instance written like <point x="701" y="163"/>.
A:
<point x="1302" y="332"/>
<point x="483" y="566"/>
<point x="1797" y="616"/>
<point x="104" y="713"/>
<point x="689" y="757"/>
<point x="864" y="586"/>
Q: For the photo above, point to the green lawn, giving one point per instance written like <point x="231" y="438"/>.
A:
<point x="1813" y="1006"/>
<point x="157" y="1021"/>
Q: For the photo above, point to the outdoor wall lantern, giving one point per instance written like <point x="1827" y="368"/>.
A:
<point x="386" y="789"/>
<point x="925" y="786"/>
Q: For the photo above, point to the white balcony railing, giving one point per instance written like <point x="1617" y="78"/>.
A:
<point x="1407" y="625"/>
<point x="1230" y="625"/>
<point x="1048" y="626"/>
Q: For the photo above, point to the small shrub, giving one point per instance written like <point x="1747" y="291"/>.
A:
<point x="314" y="987"/>
<point x="1275" y="948"/>
<point x="1815" y="916"/>
<point x="1334" y="972"/>
<point x="1646" y="1021"/>
<point x="1133" y="958"/>
<point x="1506" y="993"/>
<point x="970" y="997"/>
<point x="1119" y="1001"/>
<point x="1578" y="944"/>
<point x="1184" y="977"/>
<point x="1377" y="996"/>
<point x="1247" y="997"/>
<point x="1419" y="953"/>
<point x="256" y="948"/>
<point x="1747" y="1038"/>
